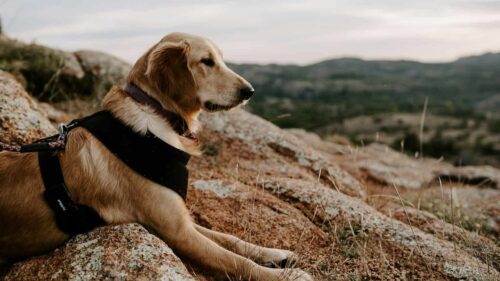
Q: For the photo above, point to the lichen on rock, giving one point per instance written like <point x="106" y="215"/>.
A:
<point x="120" y="252"/>
<point x="21" y="119"/>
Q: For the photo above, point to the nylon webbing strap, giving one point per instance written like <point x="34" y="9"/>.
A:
<point x="70" y="217"/>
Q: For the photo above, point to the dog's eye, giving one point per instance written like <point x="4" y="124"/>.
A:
<point x="208" y="62"/>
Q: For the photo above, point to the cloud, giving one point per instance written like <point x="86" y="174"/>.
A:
<point x="297" y="31"/>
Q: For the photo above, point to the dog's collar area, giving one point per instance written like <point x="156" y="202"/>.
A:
<point x="175" y="120"/>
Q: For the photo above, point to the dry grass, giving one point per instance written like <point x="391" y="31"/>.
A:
<point x="336" y="249"/>
<point x="470" y="229"/>
<point x="347" y="251"/>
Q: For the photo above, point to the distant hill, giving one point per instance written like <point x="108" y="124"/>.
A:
<point x="382" y="100"/>
<point x="329" y="91"/>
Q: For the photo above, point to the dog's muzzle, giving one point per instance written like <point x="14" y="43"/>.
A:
<point x="246" y="92"/>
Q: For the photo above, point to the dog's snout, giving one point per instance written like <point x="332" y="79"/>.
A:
<point x="246" y="92"/>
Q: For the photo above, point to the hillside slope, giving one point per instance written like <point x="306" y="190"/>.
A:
<point x="351" y="213"/>
<point x="354" y="86"/>
<point x="325" y="97"/>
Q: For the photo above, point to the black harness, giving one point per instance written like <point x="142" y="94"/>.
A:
<point x="147" y="155"/>
<point x="70" y="217"/>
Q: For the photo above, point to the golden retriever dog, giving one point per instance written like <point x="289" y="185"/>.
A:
<point x="184" y="74"/>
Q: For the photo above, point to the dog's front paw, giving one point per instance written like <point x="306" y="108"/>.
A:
<point x="297" y="275"/>
<point x="277" y="258"/>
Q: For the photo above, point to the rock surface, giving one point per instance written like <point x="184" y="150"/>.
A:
<point x="56" y="75"/>
<point x="479" y="175"/>
<point x="477" y="245"/>
<point x="102" y="71"/>
<point x="21" y="119"/>
<point x="48" y="74"/>
<point x="351" y="213"/>
<point x="263" y="137"/>
<point x="274" y="160"/>
<point x="386" y="165"/>
<point x="121" y="252"/>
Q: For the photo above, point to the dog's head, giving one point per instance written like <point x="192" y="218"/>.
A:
<point x="188" y="73"/>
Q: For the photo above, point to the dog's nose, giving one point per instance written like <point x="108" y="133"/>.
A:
<point x="246" y="92"/>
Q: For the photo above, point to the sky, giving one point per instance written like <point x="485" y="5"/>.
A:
<point x="270" y="31"/>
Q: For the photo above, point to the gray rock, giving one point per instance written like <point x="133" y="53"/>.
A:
<point x="256" y="132"/>
<point x="49" y="74"/>
<point x="392" y="168"/>
<point x="216" y="186"/>
<point x="471" y="242"/>
<point x="21" y="119"/>
<point x="102" y="71"/>
<point x="332" y="205"/>
<point x="485" y="176"/>
<point x="120" y="252"/>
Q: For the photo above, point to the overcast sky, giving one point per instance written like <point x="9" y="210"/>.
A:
<point x="283" y="31"/>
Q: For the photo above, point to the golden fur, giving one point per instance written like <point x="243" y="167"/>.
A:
<point x="173" y="73"/>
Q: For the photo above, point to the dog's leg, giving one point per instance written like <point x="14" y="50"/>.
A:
<point x="167" y="214"/>
<point x="265" y="256"/>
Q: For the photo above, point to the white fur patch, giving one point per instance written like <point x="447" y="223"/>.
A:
<point x="143" y="119"/>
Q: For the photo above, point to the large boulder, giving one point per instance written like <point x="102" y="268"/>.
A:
<point x="56" y="75"/>
<point x="252" y="168"/>
<point x="263" y="138"/>
<point x="47" y="73"/>
<point x="485" y="176"/>
<point x="385" y="165"/>
<point x="477" y="245"/>
<point x="121" y="252"/>
<point x="102" y="71"/>
<point x="21" y="118"/>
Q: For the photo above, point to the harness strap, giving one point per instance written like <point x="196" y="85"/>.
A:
<point x="147" y="155"/>
<point x="47" y="144"/>
<point x="70" y="217"/>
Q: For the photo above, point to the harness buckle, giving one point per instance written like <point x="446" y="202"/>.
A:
<point x="63" y="132"/>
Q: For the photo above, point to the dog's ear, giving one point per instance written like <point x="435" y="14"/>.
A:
<point x="169" y="73"/>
